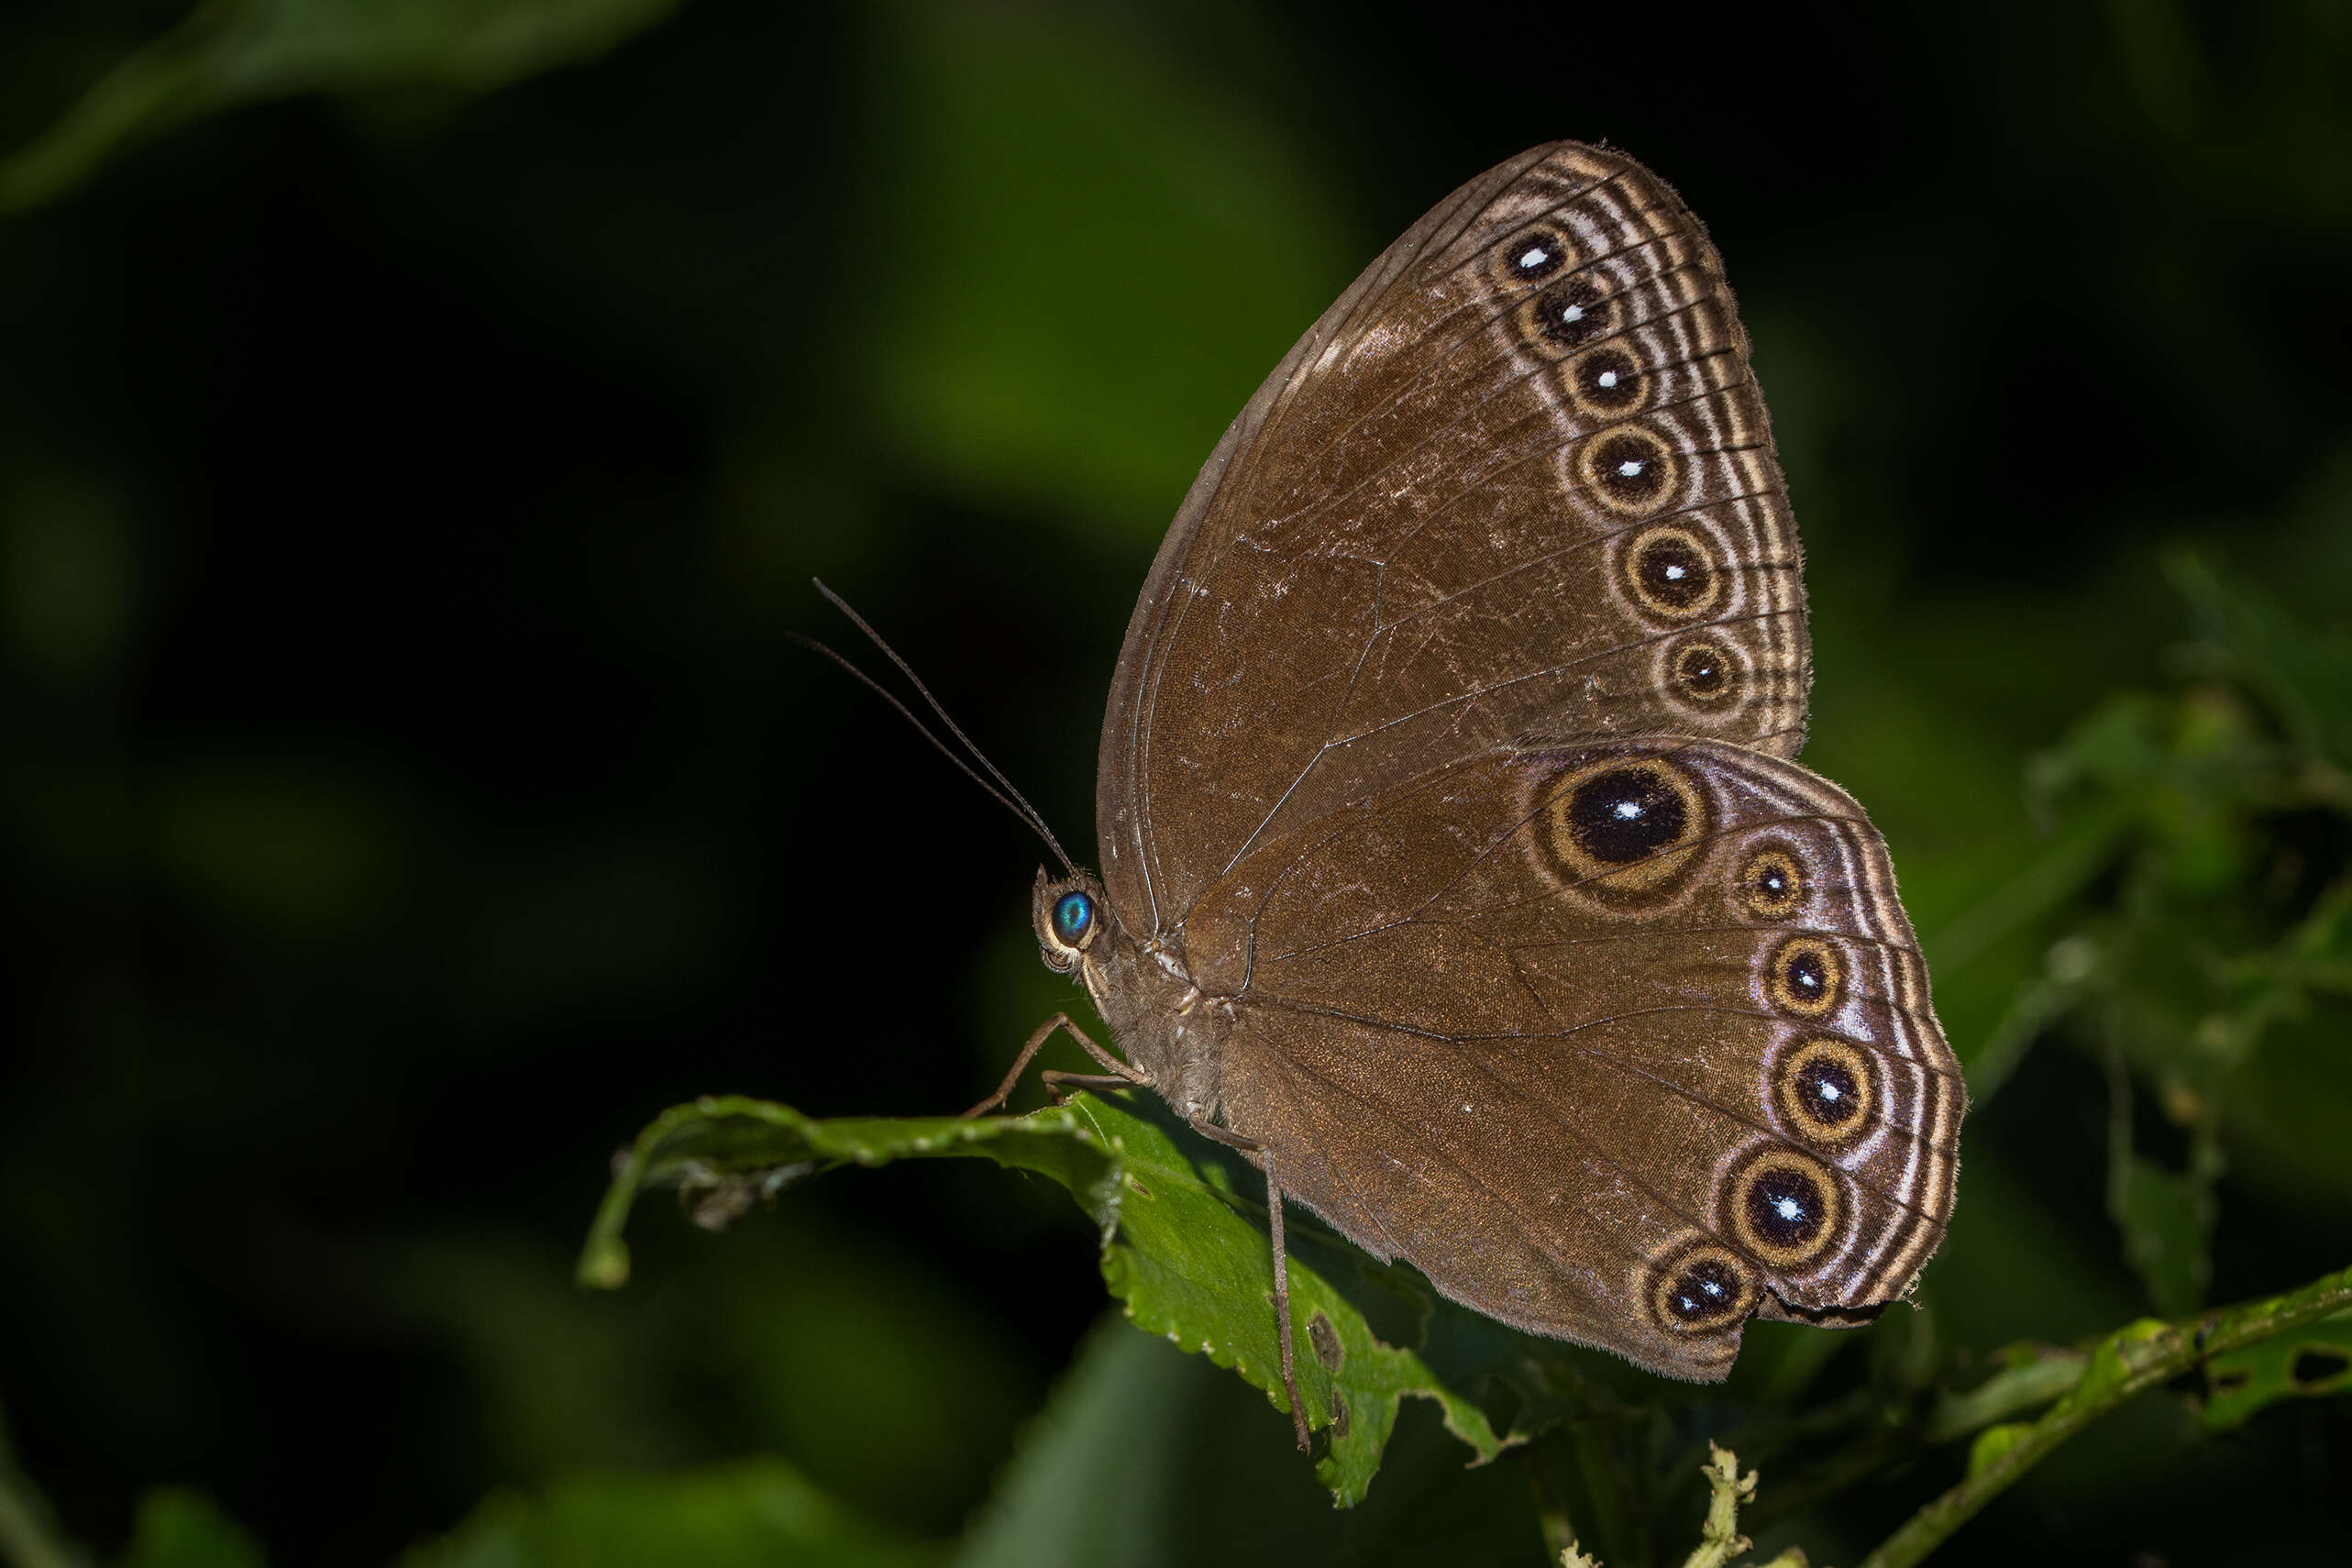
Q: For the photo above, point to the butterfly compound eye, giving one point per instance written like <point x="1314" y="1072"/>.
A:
<point x="1073" y="917"/>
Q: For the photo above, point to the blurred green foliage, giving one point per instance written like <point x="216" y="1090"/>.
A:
<point x="418" y="422"/>
<point x="230" y="52"/>
<point x="759" y="1511"/>
<point x="177" y="1528"/>
<point x="2204" y="954"/>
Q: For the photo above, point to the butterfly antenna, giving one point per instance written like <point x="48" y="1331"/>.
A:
<point x="995" y="785"/>
<point x="1019" y="808"/>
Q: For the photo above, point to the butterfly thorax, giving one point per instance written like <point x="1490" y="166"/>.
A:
<point x="1170" y="1032"/>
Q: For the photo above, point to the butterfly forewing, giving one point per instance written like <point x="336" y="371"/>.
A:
<point x="1517" y="481"/>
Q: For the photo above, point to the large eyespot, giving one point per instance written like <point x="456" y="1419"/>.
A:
<point x="1566" y="316"/>
<point x="1822" y="1087"/>
<point x="1772" y="884"/>
<point x="1626" y="814"/>
<point x="1072" y="919"/>
<point x="1672" y="574"/>
<point x="1532" y="256"/>
<point x="1806" y="977"/>
<point x="1606" y="382"/>
<point x="1624" y="827"/>
<point x="1628" y="470"/>
<point x="1783" y="1207"/>
<point x="1701" y="1287"/>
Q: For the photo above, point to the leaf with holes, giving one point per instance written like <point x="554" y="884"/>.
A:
<point x="1183" y="1249"/>
<point x="2308" y="1363"/>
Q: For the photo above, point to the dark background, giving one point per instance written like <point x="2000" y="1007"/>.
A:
<point x="407" y="481"/>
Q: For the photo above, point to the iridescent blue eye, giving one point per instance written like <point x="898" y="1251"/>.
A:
<point x="1073" y="917"/>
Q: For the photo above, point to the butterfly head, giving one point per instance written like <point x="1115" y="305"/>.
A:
<point x="1069" y="914"/>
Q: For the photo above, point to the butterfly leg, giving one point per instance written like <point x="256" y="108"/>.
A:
<point x="1061" y="1084"/>
<point x="1121" y="1070"/>
<point x="1281" y="1264"/>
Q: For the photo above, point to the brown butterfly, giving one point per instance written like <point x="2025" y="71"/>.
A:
<point x="1454" y="864"/>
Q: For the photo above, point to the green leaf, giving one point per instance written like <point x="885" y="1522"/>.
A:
<point x="1094" y="1482"/>
<point x="1992" y="1442"/>
<point x="1184" y="1250"/>
<point x="2024" y="1375"/>
<point x="2137" y="1357"/>
<point x="2308" y="1363"/>
<point x="726" y="1153"/>
<point x="181" y="1528"/>
<point x="230" y="52"/>
<point x="756" y="1513"/>
<point x="1146" y="1457"/>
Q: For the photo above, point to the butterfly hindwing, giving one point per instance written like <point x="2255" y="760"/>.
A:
<point x="1557" y="1022"/>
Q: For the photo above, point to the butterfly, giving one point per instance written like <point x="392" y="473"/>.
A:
<point x="1455" y="864"/>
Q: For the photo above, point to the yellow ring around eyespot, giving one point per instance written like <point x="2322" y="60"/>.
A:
<point x="1669" y="1277"/>
<point x="1784" y="993"/>
<point x="1827" y="1198"/>
<point x="1710" y="593"/>
<point x="1788" y="1090"/>
<point x="1506" y="255"/>
<point x="1630" y="469"/>
<point x="1545" y="328"/>
<point x="1681" y="678"/>
<point x="1761" y="901"/>
<point x="1574" y="864"/>
<point x="1632" y="392"/>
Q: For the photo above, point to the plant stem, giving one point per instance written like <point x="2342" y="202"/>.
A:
<point x="2010" y="1392"/>
<point x="2130" y="1360"/>
<point x="1551" y="1514"/>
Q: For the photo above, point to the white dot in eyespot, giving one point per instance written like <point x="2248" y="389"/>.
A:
<point x="1630" y="468"/>
<point x="1789" y="1208"/>
<point x="1711" y="1287"/>
<point x="1536" y="257"/>
<point x="1607" y="379"/>
<point x="1628" y="810"/>
<point x="1572" y="312"/>
<point x="1674" y="572"/>
<point x="1830" y="1091"/>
